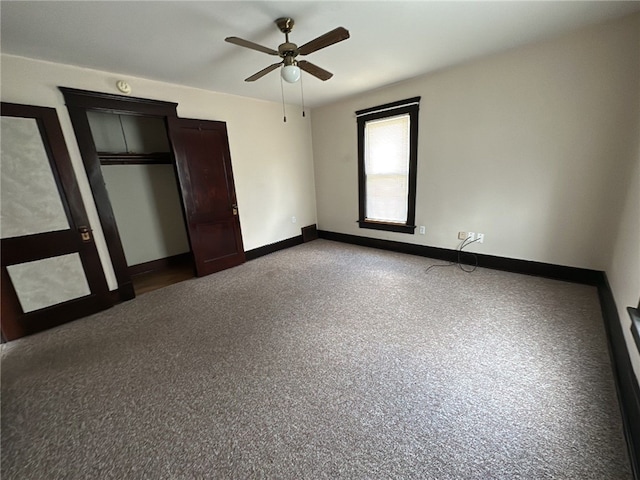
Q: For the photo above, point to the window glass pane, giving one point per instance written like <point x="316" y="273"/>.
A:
<point x="387" y="144"/>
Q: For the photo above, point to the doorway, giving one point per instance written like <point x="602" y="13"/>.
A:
<point x="140" y="178"/>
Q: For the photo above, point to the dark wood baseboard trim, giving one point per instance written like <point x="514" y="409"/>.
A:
<point x="526" y="267"/>
<point x="114" y="296"/>
<point x="122" y="294"/>
<point x="160" y="264"/>
<point x="625" y="378"/>
<point x="273" y="247"/>
<point x="309" y="233"/>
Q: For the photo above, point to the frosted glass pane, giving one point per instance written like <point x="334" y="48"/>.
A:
<point x="50" y="281"/>
<point x="387" y="145"/>
<point x="29" y="199"/>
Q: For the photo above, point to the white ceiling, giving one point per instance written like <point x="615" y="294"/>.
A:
<point x="183" y="42"/>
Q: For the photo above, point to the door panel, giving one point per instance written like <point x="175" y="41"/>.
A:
<point x="206" y="180"/>
<point x="49" y="281"/>
<point x="30" y="199"/>
<point x="50" y="273"/>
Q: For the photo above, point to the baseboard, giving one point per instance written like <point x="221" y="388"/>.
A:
<point x="123" y="293"/>
<point x="309" y="233"/>
<point x="526" y="267"/>
<point x="160" y="264"/>
<point x="626" y="381"/>
<point x="273" y="247"/>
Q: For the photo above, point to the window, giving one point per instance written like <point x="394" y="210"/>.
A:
<point x="387" y="161"/>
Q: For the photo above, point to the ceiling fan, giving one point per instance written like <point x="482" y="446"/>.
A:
<point x="289" y="51"/>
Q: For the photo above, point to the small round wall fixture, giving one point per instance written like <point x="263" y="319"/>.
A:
<point x="124" y="87"/>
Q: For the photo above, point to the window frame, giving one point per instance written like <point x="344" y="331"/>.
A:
<point x="409" y="106"/>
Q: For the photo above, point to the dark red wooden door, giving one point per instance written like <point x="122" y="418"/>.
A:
<point x="51" y="272"/>
<point x="206" y="180"/>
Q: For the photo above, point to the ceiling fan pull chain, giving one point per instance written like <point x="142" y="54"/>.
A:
<point x="284" y="111"/>
<point x="302" y="94"/>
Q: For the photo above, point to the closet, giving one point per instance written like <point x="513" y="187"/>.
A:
<point x="139" y="175"/>
<point x="162" y="185"/>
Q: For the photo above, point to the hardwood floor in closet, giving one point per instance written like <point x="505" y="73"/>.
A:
<point x="149" y="281"/>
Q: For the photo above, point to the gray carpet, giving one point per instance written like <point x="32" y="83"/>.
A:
<point x="322" y="361"/>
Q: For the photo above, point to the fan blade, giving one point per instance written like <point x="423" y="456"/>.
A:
<point x="329" y="38"/>
<point x="248" y="44"/>
<point x="315" y="70"/>
<point x="263" y="72"/>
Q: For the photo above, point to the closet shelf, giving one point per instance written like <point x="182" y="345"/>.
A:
<point x="124" y="158"/>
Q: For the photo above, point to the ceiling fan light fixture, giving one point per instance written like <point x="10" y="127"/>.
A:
<point x="290" y="73"/>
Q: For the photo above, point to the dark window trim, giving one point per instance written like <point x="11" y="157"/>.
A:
<point x="387" y="226"/>
<point x="409" y="106"/>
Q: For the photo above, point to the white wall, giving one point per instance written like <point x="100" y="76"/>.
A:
<point x="272" y="160"/>
<point x="529" y="147"/>
<point x="146" y="204"/>
<point x="623" y="271"/>
<point x="538" y="148"/>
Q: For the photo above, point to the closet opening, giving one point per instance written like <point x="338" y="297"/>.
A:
<point x="139" y="174"/>
<point x="163" y="189"/>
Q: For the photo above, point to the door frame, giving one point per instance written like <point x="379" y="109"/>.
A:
<point x="16" y="323"/>
<point x="79" y="102"/>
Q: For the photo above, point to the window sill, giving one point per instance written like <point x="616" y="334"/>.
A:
<point x="634" y="313"/>
<point x="389" y="227"/>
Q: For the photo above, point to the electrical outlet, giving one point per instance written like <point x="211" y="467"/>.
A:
<point x="422" y="230"/>
<point x="294" y="219"/>
<point x="471" y="236"/>
<point x="480" y="237"/>
<point x="462" y="235"/>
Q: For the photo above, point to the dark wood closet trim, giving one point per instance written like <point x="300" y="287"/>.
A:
<point x="78" y="103"/>
<point x="108" y="102"/>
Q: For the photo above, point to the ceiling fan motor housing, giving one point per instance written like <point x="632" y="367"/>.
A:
<point x="288" y="50"/>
